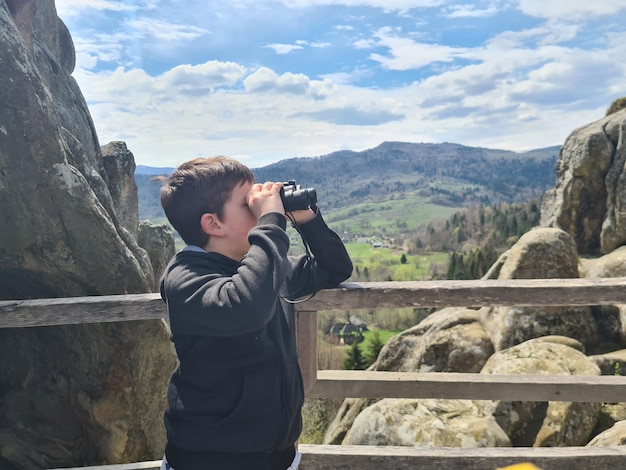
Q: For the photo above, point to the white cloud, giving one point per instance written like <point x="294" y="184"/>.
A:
<point x="165" y="30"/>
<point x="266" y="80"/>
<point x="405" y="54"/>
<point x="571" y="9"/>
<point x="70" y="8"/>
<point x="198" y="78"/>
<point x="519" y="88"/>
<point x="388" y="5"/>
<point x="470" y="11"/>
<point x="320" y="45"/>
<point x="284" y="48"/>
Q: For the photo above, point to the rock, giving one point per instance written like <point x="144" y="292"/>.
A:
<point x="84" y="394"/>
<point x="611" y="319"/>
<point x="59" y="232"/>
<point x="612" y="264"/>
<point x="449" y="340"/>
<point x="540" y="253"/>
<point x="611" y="363"/>
<point x="426" y="423"/>
<point x="81" y="394"/>
<point x="348" y="412"/>
<point x="589" y="199"/>
<point x="119" y="170"/>
<point x="158" y="241"/>
<point x="616" y="436"/>
<point x="610" y="414"/>
<point x="534" y="423"/>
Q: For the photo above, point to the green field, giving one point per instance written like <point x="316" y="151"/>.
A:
<point x="391" y="217"/>
<point x="384" y="264"/>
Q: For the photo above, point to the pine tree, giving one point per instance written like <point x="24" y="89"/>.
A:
<point x="374" y="345"/>
<point x="354" y="358"/>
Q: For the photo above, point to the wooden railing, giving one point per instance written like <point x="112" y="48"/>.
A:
<point x="355" y="384"/>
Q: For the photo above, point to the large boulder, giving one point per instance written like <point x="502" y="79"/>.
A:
<point x="449" y="340"/>
<point x="119" y="173"/>
<point x="615" y="436"/>
<point x="81" y="394"/>
<point x="59" y="229"/>
<point x="589" y="199"/>
<point x="611" y="319"/>
<point x="555" y="424"/>
<point x="158" y="241"/>
<point x="426" y="423"/>
<point x="540" y="253"/>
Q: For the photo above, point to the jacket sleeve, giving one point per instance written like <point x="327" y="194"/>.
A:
<point x="330" y="264"/>
<point x="205" y="302"/>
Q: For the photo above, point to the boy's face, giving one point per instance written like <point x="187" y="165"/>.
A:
<point x="237" y="220"/>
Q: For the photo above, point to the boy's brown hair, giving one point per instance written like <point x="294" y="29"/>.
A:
<point x="197" y="187"/>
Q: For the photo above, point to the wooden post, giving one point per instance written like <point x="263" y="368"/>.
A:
<point x="306" y="337"/>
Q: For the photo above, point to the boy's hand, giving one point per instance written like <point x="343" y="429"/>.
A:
<point x="265" y="198"/>
<point x="302" y="216"/>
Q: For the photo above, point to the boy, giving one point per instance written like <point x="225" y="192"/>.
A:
<point x="234" y="401"/>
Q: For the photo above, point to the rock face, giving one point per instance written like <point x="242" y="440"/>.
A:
<point x="584" y="215"/>
<point x="119" y="169"/>
<point x="82" y="394"/>
<point x="426" y="423"/>
<point x="542" y="253"/>
<point x="543" y="424"/>
<point x="158" y="241"/>
<point x="55" y="205"/>
<point x="589" y="199"/>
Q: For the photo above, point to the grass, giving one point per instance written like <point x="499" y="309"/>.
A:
<point x="371" y="264"/>
<point x="382" y="264"/>
<point x="384" y="336"/>
<point x="391" y="217"/>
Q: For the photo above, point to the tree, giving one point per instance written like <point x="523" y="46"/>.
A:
<point x="354" y="358"/>
<point x="617" y="105"/>
<point x="374" y="345"/>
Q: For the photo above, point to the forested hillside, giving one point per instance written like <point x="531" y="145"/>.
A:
<point x="448" y="175"/>
<point x="475" y="237"/>
<point x="432" y="202"/>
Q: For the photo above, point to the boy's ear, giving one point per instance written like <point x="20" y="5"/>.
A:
<point x="211" y="225"/>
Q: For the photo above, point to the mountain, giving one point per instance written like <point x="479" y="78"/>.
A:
<point x="446" y="174"/>
<point x="151" y="170"/>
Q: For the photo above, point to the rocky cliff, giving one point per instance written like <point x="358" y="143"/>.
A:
<point x="585" y="214"/>
<point x="82" y="394"/>
<point x="589" y="199"/>
<point x="55" y="205"/>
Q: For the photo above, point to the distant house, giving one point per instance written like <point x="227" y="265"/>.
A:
<point x="347" y="333"/>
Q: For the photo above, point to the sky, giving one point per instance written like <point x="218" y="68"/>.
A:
<point x="267" y="80"/>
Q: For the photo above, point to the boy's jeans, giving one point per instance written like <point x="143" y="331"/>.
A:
<point x="293" y="466"/>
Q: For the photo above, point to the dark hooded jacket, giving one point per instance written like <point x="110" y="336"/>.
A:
<point x="236" y="396"/>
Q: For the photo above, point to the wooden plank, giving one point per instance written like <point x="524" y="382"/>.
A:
<point x="318" y="457"/>
<point x="306" y="328"/>
<point x="475" y="293"/>
<point x="377" y="384"/>
<point x="520" y="292"/>
<point x="74" y="310"/>
<point x="334" y="457"/>
<point x="150" y="465"/>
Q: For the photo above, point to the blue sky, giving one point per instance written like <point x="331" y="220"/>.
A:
<point x="262" y="80"/>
